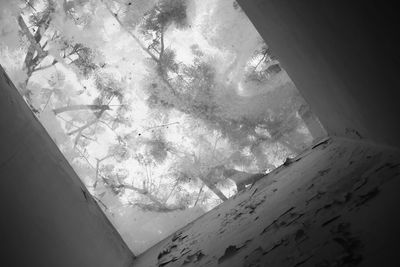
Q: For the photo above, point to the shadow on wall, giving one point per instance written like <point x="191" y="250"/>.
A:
<point x="49" y="217"/>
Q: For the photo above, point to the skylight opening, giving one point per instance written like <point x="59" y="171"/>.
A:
<point x="164" y="108"/>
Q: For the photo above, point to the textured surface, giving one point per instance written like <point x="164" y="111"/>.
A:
<point x="335" y="205"/>
<point x="48" y="217"/>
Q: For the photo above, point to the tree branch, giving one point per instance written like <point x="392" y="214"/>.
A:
<point x="34" y="45"/>
<point x="80" y="107"/>
<point x="142" y="46"/>
<point x="162" y="44"/>
<point x="214" y="189"/>
<point x="80" y="129"/>
<point x="198" y="195"/>
<point x="46" y="67"/>
<point x="138" y="41"/>
<point x="160" y="206"/>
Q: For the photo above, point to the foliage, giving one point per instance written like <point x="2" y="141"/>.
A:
<point x="163" y="14"/>
<point x="156" y="104"/>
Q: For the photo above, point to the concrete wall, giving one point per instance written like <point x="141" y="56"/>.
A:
<point x="47" y="217"/>
<point x="344" y="58"/>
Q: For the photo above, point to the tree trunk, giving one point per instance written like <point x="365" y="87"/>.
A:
<point x="80" y="107"/>
<point x="31" y="61"/>
<point x="34" y="45"/>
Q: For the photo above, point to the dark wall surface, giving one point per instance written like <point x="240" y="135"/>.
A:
<point x="344" y="58"/>
<point x="48" y="218"/>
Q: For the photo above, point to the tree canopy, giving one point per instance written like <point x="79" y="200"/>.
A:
<point x="165" y="108"/>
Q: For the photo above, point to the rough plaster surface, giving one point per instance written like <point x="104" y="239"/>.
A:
<point x="48" y="218"/>
<point x="334" y="205"/>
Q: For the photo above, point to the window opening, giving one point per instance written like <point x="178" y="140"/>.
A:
<point x="164" y="108"/>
